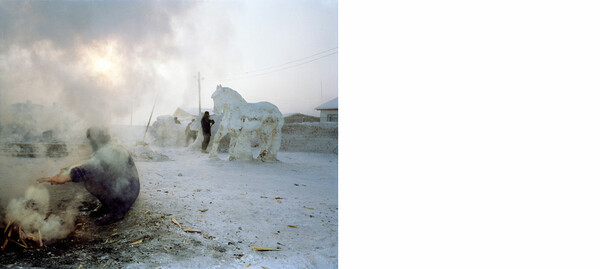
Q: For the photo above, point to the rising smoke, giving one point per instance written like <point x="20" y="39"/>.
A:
<point x="103" y="59"/>
<point x="86" y="63"/>
<point x="32" y="213"/>
<point x="93" y="58"/>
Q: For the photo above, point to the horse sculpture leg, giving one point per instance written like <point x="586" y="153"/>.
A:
<point x="271" y="141"/>
<point x="269" y="153"/>
<point x="216" y="141"/>
<point x="240" y="149"/>
<point x="264" y="140"/>
<point x="275" y="142"/>
<point x="264" y="146"/>
<point x="276" y="139"/>
<point x="233" y="139"/>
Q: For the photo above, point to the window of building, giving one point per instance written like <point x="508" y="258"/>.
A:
<point x="332" y="118"/>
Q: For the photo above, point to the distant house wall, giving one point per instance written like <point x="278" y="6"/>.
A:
<point x="329" y="115"/>
<point x="295" y="118"/>
<point x="310" y="137"/>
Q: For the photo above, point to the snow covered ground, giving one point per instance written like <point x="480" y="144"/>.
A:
<point x="290" y="205"/>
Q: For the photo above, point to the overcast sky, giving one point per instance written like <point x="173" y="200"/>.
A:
<point x="116" y="57"/>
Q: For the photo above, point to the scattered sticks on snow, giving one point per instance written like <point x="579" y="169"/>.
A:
<point x="264" y="249"/>
<point x="176" y="223"/>
<point x="189" y="230"/>
<point x="137" y="241"/>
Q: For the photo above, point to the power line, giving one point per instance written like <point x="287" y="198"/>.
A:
<point x="284" y="68"/>
<point x="297" y="60"/>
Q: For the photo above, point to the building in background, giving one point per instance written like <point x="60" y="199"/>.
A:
<point x="329" y="111"/>
<point x="299" y="117"/>
<point x="184" y="114"/>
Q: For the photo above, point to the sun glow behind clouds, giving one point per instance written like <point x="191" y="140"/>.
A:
<point x="102" y="65"/>
<point x="103" y="61"/>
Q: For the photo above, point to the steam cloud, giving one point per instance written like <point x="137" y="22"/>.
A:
<point x="94" y="58"/>
<point x="89" y="63"/>
<point x="102" y="59"/>
<point x="86" y="62"/>
<point x="32" y="213"/>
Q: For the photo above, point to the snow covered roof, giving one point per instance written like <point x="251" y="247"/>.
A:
<point x="182" y="114"/>
<point x="331" y="104"/>
<point x="190" y="110"/>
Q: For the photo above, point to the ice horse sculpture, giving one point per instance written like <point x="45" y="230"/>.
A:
<point x="241" y="119"/>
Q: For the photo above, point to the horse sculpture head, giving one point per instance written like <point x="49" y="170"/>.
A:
<point x="223" y="97"/>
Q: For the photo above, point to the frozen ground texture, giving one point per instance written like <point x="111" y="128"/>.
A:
<point x="247" y="203"/>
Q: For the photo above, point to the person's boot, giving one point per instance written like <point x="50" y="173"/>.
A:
<point x="99" y="211"/>
<point x="109" y="218"/>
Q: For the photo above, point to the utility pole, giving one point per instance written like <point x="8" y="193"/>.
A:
<point x="131" y="117"/>
<point x="321" y="91"/>
<point x="199" y="95"/>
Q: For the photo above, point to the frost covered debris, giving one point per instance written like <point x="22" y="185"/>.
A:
<point x="166" y="133"/>
<point x="146" y="153"/>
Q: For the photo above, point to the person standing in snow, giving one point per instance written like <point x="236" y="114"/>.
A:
<point x="190" y="134"/>
<point x="206" y="124"/>
<point x="110" y="175"/>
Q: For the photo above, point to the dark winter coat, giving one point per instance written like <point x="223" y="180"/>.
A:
<point x="110" y="175"/>
<point x="206" y="124"/>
